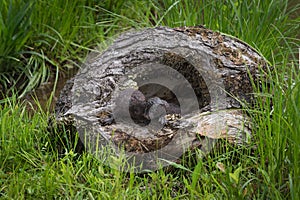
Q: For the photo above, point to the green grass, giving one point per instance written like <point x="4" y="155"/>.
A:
<point x="38" y="37"/>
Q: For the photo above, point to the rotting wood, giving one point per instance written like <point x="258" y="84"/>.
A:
<point x="216" y="66"/>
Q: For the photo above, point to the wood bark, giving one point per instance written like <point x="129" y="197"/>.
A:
<point x="218" y="68"/>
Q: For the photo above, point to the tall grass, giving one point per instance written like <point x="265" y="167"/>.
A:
<point x="15" y="31"/>
<point x="276" y="131"/>
<point x="39" y="36"/>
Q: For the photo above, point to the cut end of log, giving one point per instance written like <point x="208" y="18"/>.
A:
<point x="197" y="77"/>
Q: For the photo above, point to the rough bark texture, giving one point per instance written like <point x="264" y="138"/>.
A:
<point x="217" y="67"/>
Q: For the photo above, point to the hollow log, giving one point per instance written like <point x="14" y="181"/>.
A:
<point x="157" y="92"/>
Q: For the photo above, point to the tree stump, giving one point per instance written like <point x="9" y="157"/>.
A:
<point x="157" y="92"/>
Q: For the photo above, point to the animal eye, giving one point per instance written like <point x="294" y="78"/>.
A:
<point x="136" y="111"/>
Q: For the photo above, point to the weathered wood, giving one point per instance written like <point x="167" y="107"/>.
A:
<point x="181" y="66"/>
